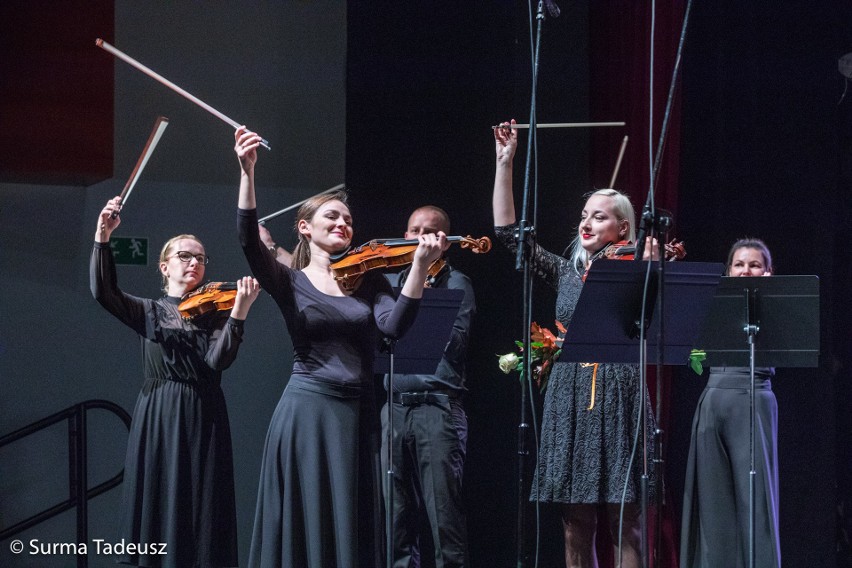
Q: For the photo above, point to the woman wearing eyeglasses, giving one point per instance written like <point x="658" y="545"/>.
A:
<point x="178" y="476"/>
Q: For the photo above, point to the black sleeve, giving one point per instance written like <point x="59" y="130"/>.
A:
<point x="545" y="264"/>
<point x="103" y="283"/>
<point x="273" y="277"/>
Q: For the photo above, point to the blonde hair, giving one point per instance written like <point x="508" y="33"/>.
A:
<point x="622" y="209"/>
<point x="166" y="250"/>
<point x="302" y="252"/>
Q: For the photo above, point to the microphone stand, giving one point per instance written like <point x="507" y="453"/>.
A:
<point x="652" y="223"/>
<point x="525" y="239"/>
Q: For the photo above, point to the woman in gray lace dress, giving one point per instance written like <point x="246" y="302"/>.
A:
<point x="590" y="412"/>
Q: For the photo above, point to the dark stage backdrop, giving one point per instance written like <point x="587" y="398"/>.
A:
<point x="766" y="152"/>
<point x="759" y="146"/>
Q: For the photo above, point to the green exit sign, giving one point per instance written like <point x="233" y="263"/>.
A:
<point x="129" y="250"/>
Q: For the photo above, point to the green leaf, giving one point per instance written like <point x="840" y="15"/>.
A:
<point x="696" y="357"/>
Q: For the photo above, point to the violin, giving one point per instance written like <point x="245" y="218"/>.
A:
<point x="388" y="253"/>
<point x="213" y="296"/>
<point x="626" y="250"/>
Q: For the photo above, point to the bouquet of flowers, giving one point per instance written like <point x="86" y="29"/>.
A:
<point x="545" y="347"/>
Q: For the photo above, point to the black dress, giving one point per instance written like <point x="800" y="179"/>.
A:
<point x="178" y="474"/>
<point x="319" y="500"/>
<point x="590" y="413"/>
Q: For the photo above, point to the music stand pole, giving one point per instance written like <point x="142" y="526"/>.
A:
<point x="419" y="351"/>
<point x="664" y="225"/>
<point x="751" y="329"/>
<point x="648" y="213"/>
<point x="390" y="343"/>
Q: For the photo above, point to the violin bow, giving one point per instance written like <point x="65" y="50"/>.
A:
<point x="126" y="58"/>
<point x="159" y="127"/>
<point x="300" y="203"/>
<point x="561" y="125"/>
<point x="618" y="162"/>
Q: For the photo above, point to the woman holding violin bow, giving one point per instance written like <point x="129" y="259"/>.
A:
<point x="320" y="476"/>
<point x="590" y="410"/>
<point x="178" y="476"/>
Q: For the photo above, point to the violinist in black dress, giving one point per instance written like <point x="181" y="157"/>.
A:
<point x="178" y="473"/>
<point x="319" y="500"/>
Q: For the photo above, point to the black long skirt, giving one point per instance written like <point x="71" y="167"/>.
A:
<point x="318" y="503"/>
<point x="179" y="478"/>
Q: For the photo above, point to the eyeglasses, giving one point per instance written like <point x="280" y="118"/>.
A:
<point x="186" y="256"/>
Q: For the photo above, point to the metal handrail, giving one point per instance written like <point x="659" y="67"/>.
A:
<point x="79" y="493"/>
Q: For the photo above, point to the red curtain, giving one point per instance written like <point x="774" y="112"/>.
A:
<point x="56" y="92"/>
<point x="620" y="62"/>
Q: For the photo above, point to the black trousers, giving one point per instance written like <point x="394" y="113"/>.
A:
<point x="429" y="446"/>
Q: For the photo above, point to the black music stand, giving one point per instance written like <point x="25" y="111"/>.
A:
<point x="419" y="351"/>
<point x="759" y="321"/>
<point x="787" y="311"/>
<point x="604" y="327"/>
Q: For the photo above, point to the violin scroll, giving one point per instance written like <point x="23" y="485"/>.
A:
<point x="476" y="246"/>
<point x="675" y="250"/>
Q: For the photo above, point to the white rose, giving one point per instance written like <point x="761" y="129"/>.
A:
<point x="508" y="362"/>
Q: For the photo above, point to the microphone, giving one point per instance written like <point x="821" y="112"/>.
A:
<point x="552" y="8"/>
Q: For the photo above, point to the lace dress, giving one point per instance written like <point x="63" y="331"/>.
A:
<point x="584" y="455"/>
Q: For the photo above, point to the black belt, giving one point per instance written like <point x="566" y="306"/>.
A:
<point x="423" y="397"/>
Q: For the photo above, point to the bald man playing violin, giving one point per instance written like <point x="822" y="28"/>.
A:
<point x="430" y="427"/>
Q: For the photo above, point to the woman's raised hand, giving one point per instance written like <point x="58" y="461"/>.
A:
<point x="502" y="200"/>
<point x="505" y="142"/>
<point x="245" y="145"/>
<point x="106" y="222"/>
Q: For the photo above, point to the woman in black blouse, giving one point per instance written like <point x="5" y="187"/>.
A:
<point x="319" y="500"/>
